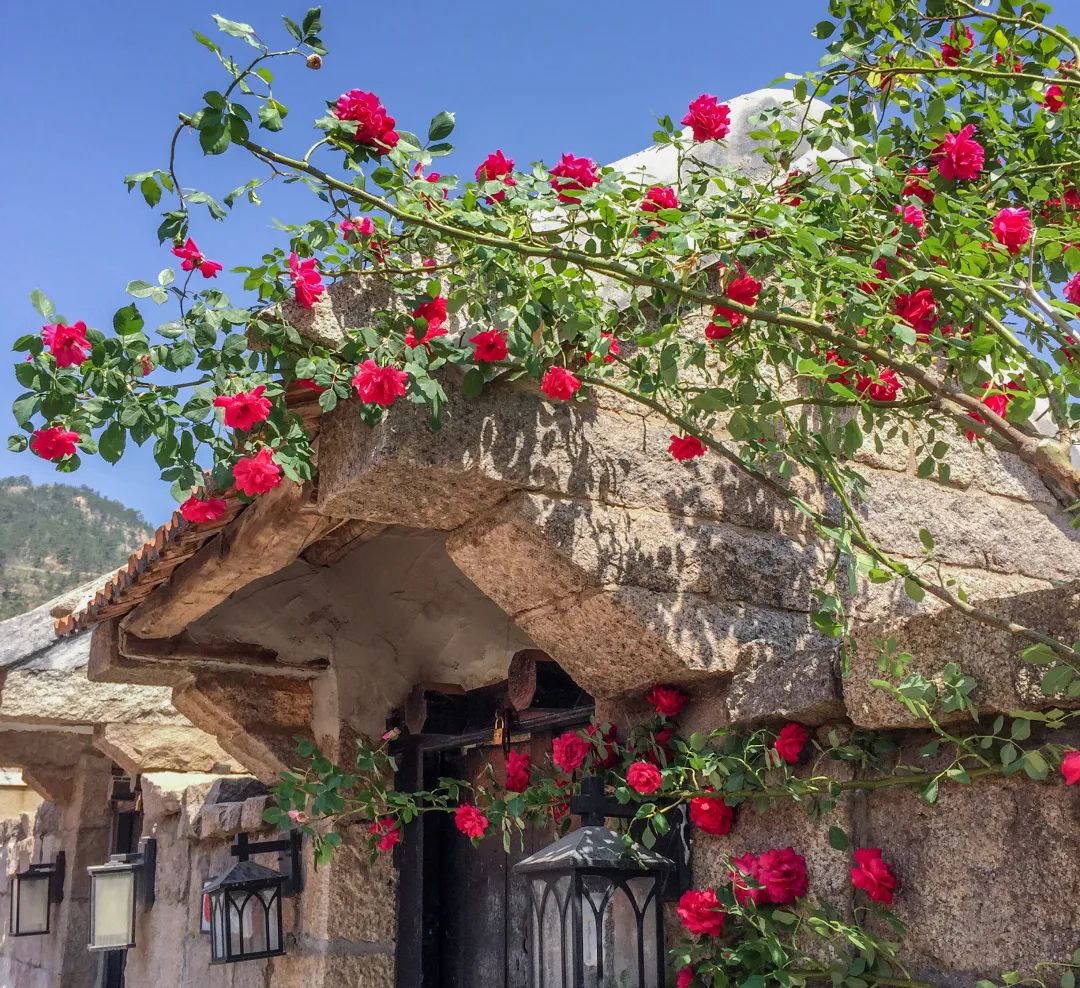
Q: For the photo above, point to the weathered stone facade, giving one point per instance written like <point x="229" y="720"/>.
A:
<point x="433" y="557"/>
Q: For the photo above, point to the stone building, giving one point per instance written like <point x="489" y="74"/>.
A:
<point x="410" y="577"/>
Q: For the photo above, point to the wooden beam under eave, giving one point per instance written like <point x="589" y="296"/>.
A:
<point x="264" y="539"/>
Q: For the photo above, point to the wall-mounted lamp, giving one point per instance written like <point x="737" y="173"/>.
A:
<point x="596" y="916"/>
<point x="245" y="902"/>
<point x="32" y="892"/>
<point x="115" y="889"/>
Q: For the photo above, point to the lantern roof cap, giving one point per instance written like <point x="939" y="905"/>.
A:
<point x="592" y="847"/>
<point x="244" y="872"/>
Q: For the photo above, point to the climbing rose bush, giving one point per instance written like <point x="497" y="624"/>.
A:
<point x="903" y="257"/>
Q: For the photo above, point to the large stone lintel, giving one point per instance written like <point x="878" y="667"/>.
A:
<point x="403" y="472"/>
<point x="256" y="720"/>
<point x="264" y="539"/>
<point x="137" y="749"/>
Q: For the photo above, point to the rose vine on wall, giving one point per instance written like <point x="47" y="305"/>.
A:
<point x="756" y="928"/>
<point x="917" y="272"/>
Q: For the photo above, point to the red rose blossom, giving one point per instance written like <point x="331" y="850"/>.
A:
<point x="569" y="751"/>
<point x="470" y="820"/>
<point x="782" y="874"/>
<point x="197" y="510"/>
<point x="685" y="977"/>
<point x="246" y="409"/>
<point x="379" y="385"/>
<point x="913" y="216"/>
<point x="68" y="344"/>
<point x="918" y="310"/>
<point x="997" y="400"/>
<point x="700" y="913"/>
<point x="559" y="384"/>
<point x="1012" y="227"/>
<point x="711" y="814"/>
<point x="490" y="346"/>
<point x="709" y="119"/>
<point x="53" y="443"/>
<point x="1072" y="289"/>
<point x="915" y="186"/>
<point x="1070" y="768"/>
<point x="885" y="387"/>
<point x="193" y="260"/>
<point x="1054" y="100"/>
<point x="686" y="447"/>
<point x="388" y="832"/>
<point x="363" y="227"/>
<point x="257" y="474"/>
<point x="434" y="311"/>
<point x="644" y="778"/>
<point x="518" y="764"/>
<point x="612" y="350"/>
<point x="667" y="701"/>
<point x="309" y="384"/>
<point x="746" y="891"/>
<point x="882" y="269"/>
<point x="611" y="747"/>
<point x="959" y="155"/>
<point x="873" y="875"/>
<point x="307" y="282"/>
<point x="494" y="167"/>
<point x="374" y="126"/>
<point x="956" y="46"/>
<point x="744" y="290"/>
<point x="790" y="742"/>
<point x="576" y="174"/>
<point x="656" y="198"/>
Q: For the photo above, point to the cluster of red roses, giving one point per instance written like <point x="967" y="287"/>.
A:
<point x="776" y="877"/>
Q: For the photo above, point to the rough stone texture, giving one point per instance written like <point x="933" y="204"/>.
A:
<point x="256" y="721"/>
<point x="137" y="748"/>
<point x="991" y="656"/>
<point x="510" y="439"/>
<point x="985" y="530"/>
<point x="991" y="879"/>
<point x="80" y="828"/>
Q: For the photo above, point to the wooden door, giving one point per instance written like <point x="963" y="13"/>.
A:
<point x="463" y="913"/>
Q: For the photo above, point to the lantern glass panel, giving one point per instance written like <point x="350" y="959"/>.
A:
<point x="551" y="929"/>
<point x="253" y="922"/>
<point x="112" y="909"/>
<point x="30" y="903"/>
<point x="632" y="921"/>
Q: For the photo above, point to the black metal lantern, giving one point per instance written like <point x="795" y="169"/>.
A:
<point x="597" y="917"/>
<point x="32" y="892"/>
<point x="245" y="902"/>
<point x="115" y="890"/>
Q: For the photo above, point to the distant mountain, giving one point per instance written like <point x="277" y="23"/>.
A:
<point x="53" y="537"/>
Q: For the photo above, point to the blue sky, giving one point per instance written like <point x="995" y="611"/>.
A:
<point x="90" y="93"/>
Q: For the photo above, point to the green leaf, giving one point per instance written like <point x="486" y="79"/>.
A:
<point x="823" y="29"/>
<point x="1021" y="729"/>
<point x="127" y="321"/>
<point x="1039" y="655"/>
<point x="441" y="126"/>
<point x="1056" y="679"/>
<point x="23" y="408"/>
<point x="838" y="840"/>
<point x="1068" y="979"/>
<point x="926" y="539"/>
<point x="1035" y="765"/>
<point x="236" y="29"/>
<point x="271" y="115"/>
<point x="112" y="442"/>
<point x="913" y="590"/>
<point x="40" y="301"/>
<point x="17" y="443"/>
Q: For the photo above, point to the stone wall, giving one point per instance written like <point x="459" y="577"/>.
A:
<point x="340" y="931"/>
<point x="81" y="829"/>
